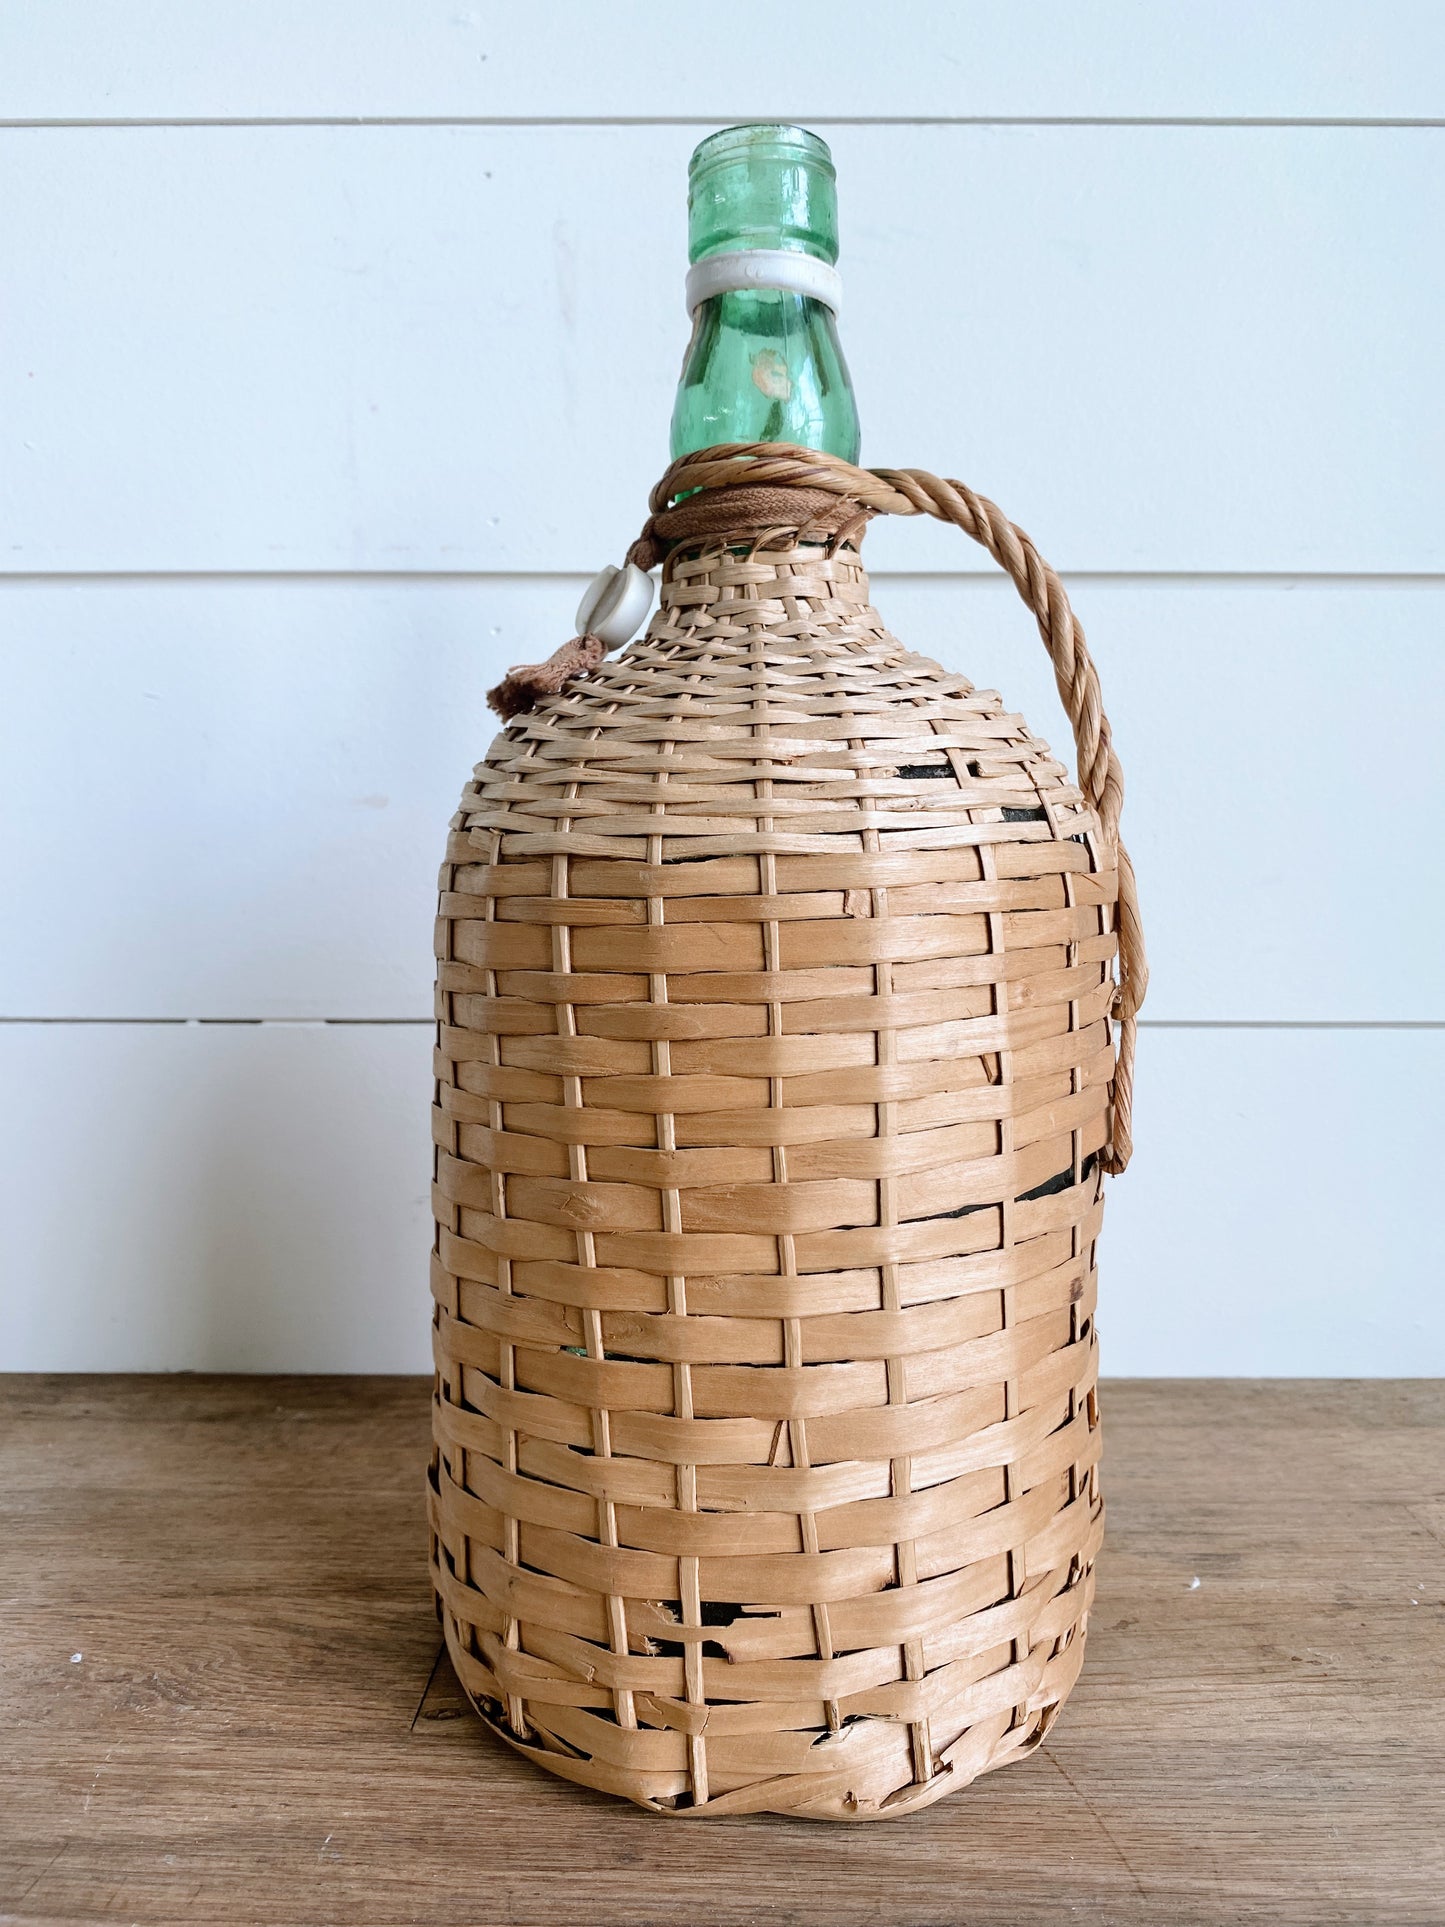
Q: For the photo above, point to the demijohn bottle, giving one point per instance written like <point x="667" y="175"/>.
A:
<point x="775" y="1090"/>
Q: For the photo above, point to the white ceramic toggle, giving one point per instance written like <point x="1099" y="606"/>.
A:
<point x="615" y="605"/>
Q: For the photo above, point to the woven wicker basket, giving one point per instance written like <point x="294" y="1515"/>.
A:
<point x="776" y="1087"/>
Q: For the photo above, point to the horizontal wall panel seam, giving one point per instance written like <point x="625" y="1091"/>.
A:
<point x="687" y="120"/>
<point x="982" y="576"/>
<point x="429" y="1023"/>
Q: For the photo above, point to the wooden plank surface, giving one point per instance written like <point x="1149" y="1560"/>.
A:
<point x="411" y="348"/>
<point x="125" y="59"/>
<point x="223" y="1702"/>
<point x="275" y="764"/>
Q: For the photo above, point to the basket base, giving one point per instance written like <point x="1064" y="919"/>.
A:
<point x="982" y="1748"/>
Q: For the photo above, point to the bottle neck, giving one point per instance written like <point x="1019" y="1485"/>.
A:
<point x="764" y="363"/>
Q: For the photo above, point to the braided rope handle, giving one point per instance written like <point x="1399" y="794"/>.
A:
<point x="913" y="491"/>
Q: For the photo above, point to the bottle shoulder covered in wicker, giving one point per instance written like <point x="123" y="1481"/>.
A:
<point x="774" y="1076"/>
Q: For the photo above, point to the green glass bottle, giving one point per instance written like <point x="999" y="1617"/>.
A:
<point x="764" y="363"/>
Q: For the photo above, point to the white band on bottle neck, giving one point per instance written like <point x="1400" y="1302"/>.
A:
<point x="763" y="268"/>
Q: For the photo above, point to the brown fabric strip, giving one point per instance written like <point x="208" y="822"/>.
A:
<point x="745" y="512"/>
<point x="520" y="687"/>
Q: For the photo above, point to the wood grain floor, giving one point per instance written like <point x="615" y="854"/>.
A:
<point x="221" y="1698"/>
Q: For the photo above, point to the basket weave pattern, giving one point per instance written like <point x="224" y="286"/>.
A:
<point x="774" y="1099"/>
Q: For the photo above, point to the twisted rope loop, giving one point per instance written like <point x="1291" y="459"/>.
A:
<point x="773" y="484"/>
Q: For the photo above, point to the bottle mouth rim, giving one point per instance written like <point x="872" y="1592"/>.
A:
<point x="762" y="140"/>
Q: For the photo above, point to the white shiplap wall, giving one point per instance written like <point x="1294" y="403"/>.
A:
<point x="318" y="320"/>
